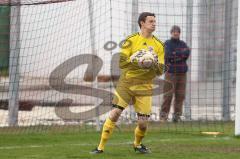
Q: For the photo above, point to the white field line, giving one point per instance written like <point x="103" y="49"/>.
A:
<point x="112" y="144"/>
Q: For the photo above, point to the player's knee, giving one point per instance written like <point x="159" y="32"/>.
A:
<point x="142" y="122"/>
<point x="142" y="126"/>
<point x="115" y="114"/>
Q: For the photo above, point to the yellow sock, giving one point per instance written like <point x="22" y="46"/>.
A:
<point x="139" y="135"/>
<point x="106" y="133"/>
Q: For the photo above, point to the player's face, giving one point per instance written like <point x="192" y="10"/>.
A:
<point x="150" y="23"/>
<point x="175" y="35"/>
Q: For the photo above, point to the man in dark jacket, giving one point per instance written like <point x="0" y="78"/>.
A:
<point x="176" y="55"/>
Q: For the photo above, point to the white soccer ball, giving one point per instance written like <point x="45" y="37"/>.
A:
<point x="146" y="60"/>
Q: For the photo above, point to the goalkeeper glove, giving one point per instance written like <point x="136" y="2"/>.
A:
<point x="160" y="69"/>
<point x="135" y="58"/>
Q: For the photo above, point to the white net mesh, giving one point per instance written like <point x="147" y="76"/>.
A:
<point x="52" y="43"/>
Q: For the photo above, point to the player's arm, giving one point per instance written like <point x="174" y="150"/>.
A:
<point x="124" y="61"/>
<point x="127" y="59"/>
<point x="160" y="67"/>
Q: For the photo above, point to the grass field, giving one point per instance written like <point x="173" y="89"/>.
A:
<point x="76" y="144"/>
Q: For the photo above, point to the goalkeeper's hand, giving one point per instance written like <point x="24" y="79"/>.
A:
<point x="157" y="67"/>
<point x="134" y="58"/>
<point x="155" y="59"/>
<point x="160" y="68"/>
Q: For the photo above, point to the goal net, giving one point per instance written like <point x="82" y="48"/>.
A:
<point x="59" y="59"/>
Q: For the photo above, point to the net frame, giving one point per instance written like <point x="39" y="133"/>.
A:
<point x="30" y="2"/>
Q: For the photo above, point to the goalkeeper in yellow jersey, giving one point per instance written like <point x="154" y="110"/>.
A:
<point x="140" y="60"/>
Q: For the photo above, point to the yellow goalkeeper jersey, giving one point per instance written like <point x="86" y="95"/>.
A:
<point x="132" y="44"/>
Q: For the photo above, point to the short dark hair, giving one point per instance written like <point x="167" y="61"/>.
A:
<point x="142" y="17"/>
<point x="175" y="28"/>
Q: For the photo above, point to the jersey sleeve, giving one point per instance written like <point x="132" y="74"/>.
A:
<point x="126" y="52"/>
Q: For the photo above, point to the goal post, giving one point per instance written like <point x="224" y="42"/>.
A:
<point x="237" y="107"/>
<point x="14" y="75"/>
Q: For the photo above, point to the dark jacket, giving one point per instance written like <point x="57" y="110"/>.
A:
<point x="176" y="55"/>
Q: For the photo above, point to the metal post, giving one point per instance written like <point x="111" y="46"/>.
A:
<point x="93" y="49"/>
<point x="134" y="16"/>
<point x="226" y="62"/>
<point x="203" y="40"/>
<point x="13" y="105"/>
<point x="237" y="107"/>
<point x="134" y="29"/>
<point x="187" y="109"/>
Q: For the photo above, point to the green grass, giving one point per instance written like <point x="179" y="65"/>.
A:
<point x="75" y="143"/>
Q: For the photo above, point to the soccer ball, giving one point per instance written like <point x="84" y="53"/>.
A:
<point x="146" y="60"/>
